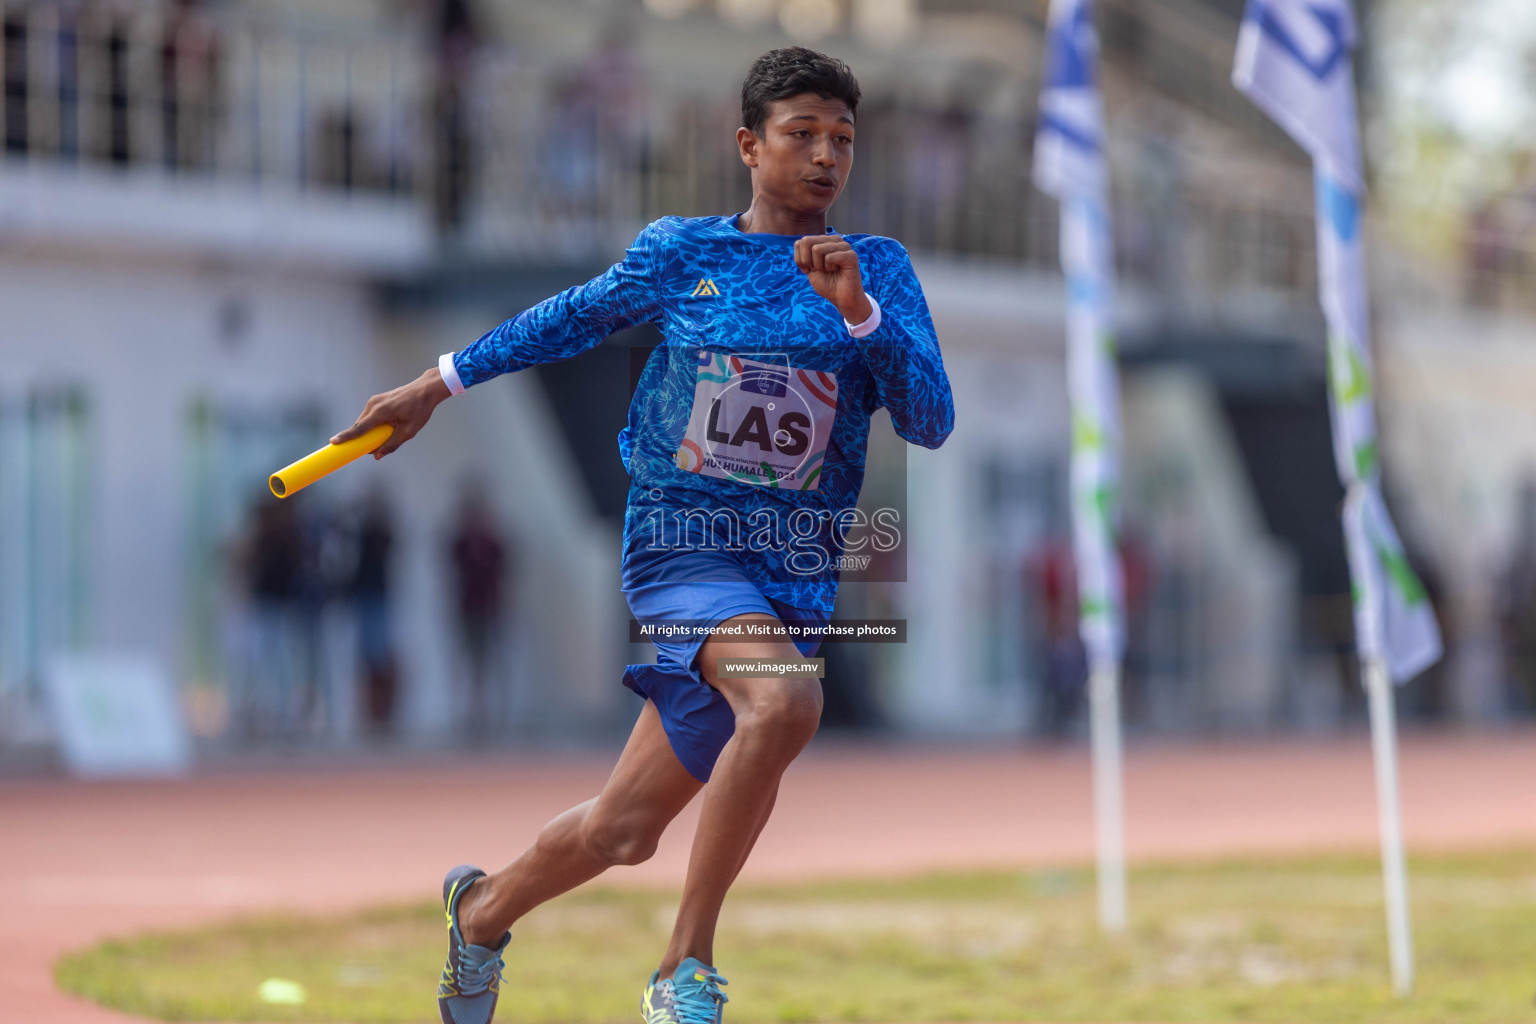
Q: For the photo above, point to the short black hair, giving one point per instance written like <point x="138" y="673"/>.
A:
<point x="790" y="71"/>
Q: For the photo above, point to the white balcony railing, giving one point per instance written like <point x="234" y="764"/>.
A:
<point x="516" y="152"/>
<point x="226" y="96"/>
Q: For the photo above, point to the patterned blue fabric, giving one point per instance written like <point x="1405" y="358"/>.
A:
<point x="697" y="719"/>
<point x="708" y="285"/>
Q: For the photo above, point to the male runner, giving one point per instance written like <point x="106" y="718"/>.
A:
<point x="745" y="445"/>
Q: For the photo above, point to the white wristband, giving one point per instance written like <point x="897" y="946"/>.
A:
<point x="450" y="374"/>
<point x="869" y="325"/>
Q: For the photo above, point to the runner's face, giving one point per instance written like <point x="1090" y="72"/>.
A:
<point x="802" y="160"/>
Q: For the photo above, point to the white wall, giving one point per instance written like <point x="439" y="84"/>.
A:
<point x="144" y="338"/>
<point x="1459" y="440"/>
<point x="1000" y="330"/>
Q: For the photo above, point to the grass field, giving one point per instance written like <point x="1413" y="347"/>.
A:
<point x="1294" y="941"/>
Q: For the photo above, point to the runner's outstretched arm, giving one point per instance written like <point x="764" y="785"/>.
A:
<point x="568" y="324"/>
<point x="561" y="326"/>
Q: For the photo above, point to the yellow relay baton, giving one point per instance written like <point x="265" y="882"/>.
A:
<point x="294" y="478"/>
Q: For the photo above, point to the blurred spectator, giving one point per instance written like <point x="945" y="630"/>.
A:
<point x="119" y="114"/>
<point x="370" y="596"/>
<point x="1496" y="247"/>
<point x="273" y="560"/>
<point x="336" y="643"/>
<point x="1519" y="605"/>
<point x="1521" y="226"/>
<point x="1155" y="223"/>
<point x="1054" y="580"/>
<point x="456" y="34"/>
<point x="572" y="163"/>
<point x="938" y="166"/>
<point x="341" y="129"/>
<point x="614" y="76"/>
<point x="1427" y="696"/>
<point x="848" y="690"/>
<point x="1484" y="254"/>
<point x="14" y="29"/>
<point x="189" y="86"/>
<point x="1136" y="563"/>
<point x="480" y="563"/>
<point x="596" y="129"/>
<point x="314" y="706"/>
<point x="67" y="53"/>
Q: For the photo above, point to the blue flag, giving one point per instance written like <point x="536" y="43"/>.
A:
<point x="1070" y="165"/>
<point x="1294" y="61"/>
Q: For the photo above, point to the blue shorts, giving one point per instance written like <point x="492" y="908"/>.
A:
<point x="703" y="587"/>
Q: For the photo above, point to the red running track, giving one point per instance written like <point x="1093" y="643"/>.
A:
<point x="83" y="861"/>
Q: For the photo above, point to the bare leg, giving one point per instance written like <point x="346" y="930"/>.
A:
<point x="775" y="718"/>
<point x="621" y="825"/>
<point x="752" y="842"/>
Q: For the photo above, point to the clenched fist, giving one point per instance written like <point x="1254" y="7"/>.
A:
<point x="833" y="267"/>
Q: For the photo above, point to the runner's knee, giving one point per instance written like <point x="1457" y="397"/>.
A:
<point x="619" y="842"/>
<point x="787" y="709"/>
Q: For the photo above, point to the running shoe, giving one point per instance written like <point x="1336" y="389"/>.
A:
<point x="471" y="980"/>
<point x="691" y="996"/>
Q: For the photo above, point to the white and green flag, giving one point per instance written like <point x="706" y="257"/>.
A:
<point x="1293" y="60"/>
<point x="1070" y="165"/>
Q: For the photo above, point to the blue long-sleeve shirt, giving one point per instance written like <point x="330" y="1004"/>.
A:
<point x="748" y="427"/>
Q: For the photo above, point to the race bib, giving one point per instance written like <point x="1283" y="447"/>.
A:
<point x="761" y="423"/>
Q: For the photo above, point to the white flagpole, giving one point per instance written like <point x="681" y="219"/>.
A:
<point x="1108" y="791"/>
<point x="1395" y="630"/>
<point x="1394" y="874"/>
<point x="1070" y="164"/>
<point x="1376" y="677"/>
